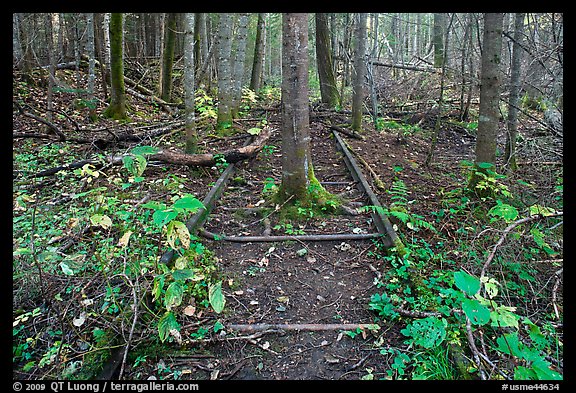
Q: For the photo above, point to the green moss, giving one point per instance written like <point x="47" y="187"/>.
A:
<point x="314" y="202"/>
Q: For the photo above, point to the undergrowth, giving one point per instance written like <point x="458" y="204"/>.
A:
<point x="464" y="318"/>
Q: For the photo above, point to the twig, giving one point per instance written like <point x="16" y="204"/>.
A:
<point x="554" y="290"/>
<point x="507" y="231"/>
<point x="256" y="327"/>
<point x="134" y="319"/>
<point x="474" y="350"/>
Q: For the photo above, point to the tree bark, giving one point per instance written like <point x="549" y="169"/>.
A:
<point x="165" y="88"/>
<point x="512" y="122"/>
<point x="259" y="48"/>
<point x="224" y="119"/>
<point x="189" y="65"/>
<point x="296" y="158"/>
<point x="117" y="107"/>
<point x="239" y="60"/>
<point x="359" y="71"/>
<point x="439" y="28"/>
<point x="489" y="113"/>
<point x="328" y="88"/>
<point x="91" y="102"/>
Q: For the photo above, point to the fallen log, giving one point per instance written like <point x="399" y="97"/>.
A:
<point x="176" y="157"/>
<point x="282" y="238"/>
<point x="255" y="327"/>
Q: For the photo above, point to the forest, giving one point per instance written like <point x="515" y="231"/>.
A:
<point x="287" y="196"/>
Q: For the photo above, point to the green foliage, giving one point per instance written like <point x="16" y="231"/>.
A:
<point x="403" y="128"/>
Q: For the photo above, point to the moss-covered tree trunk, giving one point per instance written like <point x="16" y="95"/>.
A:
<point x="165" y="88"/>
<point x="328" y="88"/>
<point x="489" y="113"/>
<point x="117" y="107"/>
<point x="259" y="48"/>
<point x="224" y="68"/>
<point x="512" y="121"/>
<point x="239" y="60"/>
<point x="359" y="70"/>
<point x="189" y="65"/>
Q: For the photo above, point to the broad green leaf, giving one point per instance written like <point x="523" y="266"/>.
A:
<point x="505" y="211"/>
<point x="66" y="269"/>
<point x="101" y="220"/>
<point x="167" y="323"/>
<point x="466" y="282"/>
<point x="218" y="326"/>
<point x="484" y="165"/>
<point x="158" y="286"/>
<point x="542" y="210"/>
<point x="135" y="164"/>
<point x="504" y="317"/>
<point x="254" y="131"/>
<point x="163" y="217"/>
<point x="491" y="286"/>
<point x="188" y="202"/>
<point x="539" y="240"/>
<point x="181" y="262"/>
<point x="522" y="373"/>
<point x="182" y="274"/>
<point x="427" y="332"/>
<point x="216" y="297"/>
<point x="476" y="312"/>
<point x="509" y="344"/>
<point x="143" y="150"/>
<point x="177" y="230"/>
<point x="173" y="295"/>
<point x="543" y="370"/>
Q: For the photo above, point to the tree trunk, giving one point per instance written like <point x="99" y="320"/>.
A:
<point x="259" y="48"/>
<point x="439" y="27"/>
<point x="489" y="95"/>
<point x="328" y="88"/>
<point x="165" y="88"/>
<point x="297" y="171"/>
<point x="91" y="102"/>
<point x="117" y="107"/>
<point x="17" y="55"/>
<point x="239" y="61"/>
<point x="512" y="123"/>
<point x="224" y="119"/>
<point x="52" y="64"/>
<point x="189" y="65"/>
<point x="359" y="71"/>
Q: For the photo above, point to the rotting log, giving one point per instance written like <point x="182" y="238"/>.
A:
<point x="175" y="157"/>
<point x="281" y="238"/>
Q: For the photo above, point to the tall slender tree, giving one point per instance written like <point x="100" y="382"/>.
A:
<point x="224" y="67"/>
<point x="359" y="70"/>
<point x="239" y="61"/>
<point x="489" y="113"/>
<point x="259" y="50"/>
<point x="512" y="121"/>
<point x="438" y="42"/>
<point x="328" y="88"/>
<point x="91" y="64"/>
<point x="165" y="88"/>
<point x="117" y="107"/>
<point x="189" y="68"/>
